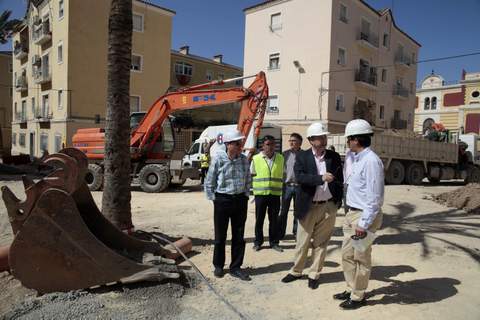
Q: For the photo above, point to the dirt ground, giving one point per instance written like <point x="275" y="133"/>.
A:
<point x="426" y="266"/>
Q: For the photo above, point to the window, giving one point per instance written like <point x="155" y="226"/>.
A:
<point x="426" y="103"/>
<point x="44" y="141"/>
<point x="24" y="109"/>
<point x="341" y="57"/>
<point x="137" y="22"/>
<point x="60" y="99"/>
<point x="60" y="53"/>
<point x="58" y="142"/>
<point x="386" y="40"/>
<point x="365" y="29"/>
<point x="381" y="113"/>
<point x="21" y="139"/>
<point x="411" y="87"/>
<point x="413" y="58"/>
<point x="272" y="105"/>
<point x="343" y="13"/>
<point x="10" y="67"/>
<point x="238" y="82"/>
<point x="60" y="9"/>
<point x="45" y="106"/>
<point x="274" y="61"/>
<point x="33" y="107"/>
<point x="339" y="105"/>
<point x="136" y="63"/>
<point x="134" y="103"/>
<point x="209" y="75"/>
<point x="397" y="115"/>
<point x="183" y="69"/>
<point x="276" y="21"/>
<point x="14" y="138"/>
<point x="384" y="75"/>
<point x="475" y="94"/>
<point x="15" y="111"/>
<point x="434" y="103"/>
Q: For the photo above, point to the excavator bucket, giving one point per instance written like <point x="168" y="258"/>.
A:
<point x="63" y="242"/>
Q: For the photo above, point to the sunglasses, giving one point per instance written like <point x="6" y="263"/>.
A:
<point x="235" y="143"/>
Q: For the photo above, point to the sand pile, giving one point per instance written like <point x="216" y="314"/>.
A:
<point x="466" y="198"/>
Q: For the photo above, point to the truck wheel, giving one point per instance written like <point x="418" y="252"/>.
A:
<point x="414" y="174"/>
<point x="433" y="180"/>
<point x="395" y="173"/>
<point x="94" y="177"/>
<point x="473" y="175"/>
<point x="153" y="178"/>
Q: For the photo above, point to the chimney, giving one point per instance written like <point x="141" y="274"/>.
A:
<point x="184" y="50"/>
<point x="218" y="58"/>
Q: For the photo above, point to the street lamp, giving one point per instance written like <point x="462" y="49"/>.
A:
<point x="301" y="70"/>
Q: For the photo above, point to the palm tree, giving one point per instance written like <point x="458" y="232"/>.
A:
<point x="7" y="27"/>
<point x="116" y="194"/>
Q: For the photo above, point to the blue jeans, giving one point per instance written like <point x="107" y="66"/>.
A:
<point x="289" y="192"/>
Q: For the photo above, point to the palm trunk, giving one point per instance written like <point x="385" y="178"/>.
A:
<point x="116" y="194"/>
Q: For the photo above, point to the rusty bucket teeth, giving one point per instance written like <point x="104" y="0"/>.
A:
<point x="63" y="242"/>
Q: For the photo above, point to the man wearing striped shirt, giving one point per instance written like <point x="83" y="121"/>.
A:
<point x="228" y="186"/>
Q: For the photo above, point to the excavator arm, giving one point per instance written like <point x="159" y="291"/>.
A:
<point x="253" y="100"/>
<point x="253" y="103"/>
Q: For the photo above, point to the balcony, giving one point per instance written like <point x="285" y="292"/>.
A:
<point x="21" y="84"/>
<point x="398" y="124"/>
<point x="20" y="117"/>
<point x="368" y="40"/>
<point x="366" y="77"/>
<point x="20" y="50"/>
<point x="42" y="33"/>
<point x="42" y="75"/>
<point x="400" y="92"/>
<point x="402" y="60"/>
<point x="42" y="114"/>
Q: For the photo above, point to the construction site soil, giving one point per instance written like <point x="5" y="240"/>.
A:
<point x="415" y="274"/>
<point x="466" y="198"/>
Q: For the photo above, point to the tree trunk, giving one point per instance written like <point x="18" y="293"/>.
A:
<point x="116" y="194"/>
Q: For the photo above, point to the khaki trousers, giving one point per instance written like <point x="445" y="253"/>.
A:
<point x="315" y="230"/>
<point x="357" y="265"/>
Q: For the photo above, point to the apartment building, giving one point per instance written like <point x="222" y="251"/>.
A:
<point x="6" y="93"/>
<point x="456" y="104"/>
<point x="60" y="69"/>
<point x="333" y="61"/>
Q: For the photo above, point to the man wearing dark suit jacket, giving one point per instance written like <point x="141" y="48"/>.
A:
<point x="320" y="177"/>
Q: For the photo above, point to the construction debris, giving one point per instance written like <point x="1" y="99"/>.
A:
<point x="466" y="198"/>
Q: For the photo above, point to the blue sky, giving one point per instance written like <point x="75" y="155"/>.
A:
<point x="443" y="27"/>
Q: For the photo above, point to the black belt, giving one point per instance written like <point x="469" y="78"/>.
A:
<point x="321" y="202"/>
<point x="354" y="209"/>
<point x="230" y="196"/>
<point x="292" y="184"/>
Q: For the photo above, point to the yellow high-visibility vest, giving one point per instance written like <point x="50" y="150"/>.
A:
<point x="268" y="181"/>
<point x="205" y="160"/>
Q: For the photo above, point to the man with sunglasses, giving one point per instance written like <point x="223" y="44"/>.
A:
<point x="228" y="184"/>
<point x="364" y="199"/>
<point x="267" y="171"/>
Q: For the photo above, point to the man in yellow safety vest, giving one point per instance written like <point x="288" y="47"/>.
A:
<point x="267" y="171"/>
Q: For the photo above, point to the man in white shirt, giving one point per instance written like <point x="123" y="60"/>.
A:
<point x="364" y="199"/>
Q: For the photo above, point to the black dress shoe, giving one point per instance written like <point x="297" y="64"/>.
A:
<point x="238" y="273"/>
<point x="313" y="283"/>
<point x="289" y="278"/>
<point x="352" y="305"/>
<point x="256" y="248"/>
<point x="218" y="272"/>
<point x="345" y="295"/>
<point x="276" y="247"/>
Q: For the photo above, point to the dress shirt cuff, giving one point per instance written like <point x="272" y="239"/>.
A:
<point x="210" y="196"/>
<point x="363" y="223"/>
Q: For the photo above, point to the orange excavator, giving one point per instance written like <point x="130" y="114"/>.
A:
<point x="152" y="142"/>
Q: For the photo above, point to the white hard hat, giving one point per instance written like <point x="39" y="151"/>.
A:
<point x="316" y="129"/>
<point x="357" y="127"/>
<point x="232" y="135"/>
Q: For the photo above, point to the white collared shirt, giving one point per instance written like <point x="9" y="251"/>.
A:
<point x="366" y="186"/>
<point x="348" y="164"/>
<point x="322" y="193"/>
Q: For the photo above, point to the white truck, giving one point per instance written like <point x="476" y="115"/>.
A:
<point x="192" y="158"/>
<point x="409" y="160"/>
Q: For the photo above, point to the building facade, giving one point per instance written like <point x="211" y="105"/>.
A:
<point x="6" y="93"/>
<point x="60" y="69"/>
<point x="455" y="105"/>
<point x="332" y="61"/>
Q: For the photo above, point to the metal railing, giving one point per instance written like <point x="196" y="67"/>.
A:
<point x="369" y="37"/>
<point x="21" y="83"/>
<point x="42" y="32"/>
<point x="400" y="91"/>
<point x="42" y="74"/>
<point x="401" y="58"/>
<point x="398" y="124"/>
<point x="366" y="75"/>
<point x="20" y="49"/>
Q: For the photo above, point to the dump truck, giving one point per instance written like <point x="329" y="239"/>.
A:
<point x="152" y="141"/>
<point x="409" y="159"/>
